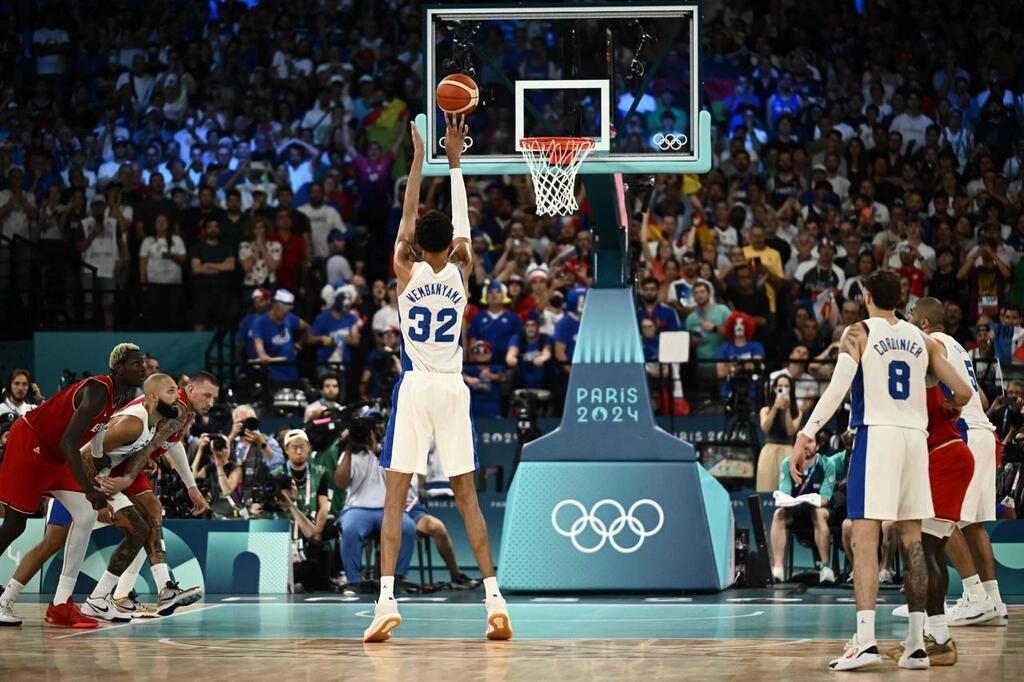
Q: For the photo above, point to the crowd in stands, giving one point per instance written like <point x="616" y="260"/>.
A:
<point x="190" y="165"/>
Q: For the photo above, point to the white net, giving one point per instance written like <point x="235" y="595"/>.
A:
<point x="554" y="162"/>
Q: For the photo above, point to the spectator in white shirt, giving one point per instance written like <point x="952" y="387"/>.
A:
<point x="387" y="316"/>
<point x="337" y="266"/>
<point x="161" y="258"/>
<point x="912" y="125"/>
<point x="913" y="243"/>
<point x="50" y="44"/>
<point x="102" y="247"/>
<point x="21" y="395"/>
<point x="323" y="220"/>
<point x="135" y="86"/>
<point x="109" y="170"/>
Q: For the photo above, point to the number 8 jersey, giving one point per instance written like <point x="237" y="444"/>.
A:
<point x="889" y="388"/>
<point x="430" y="312"/>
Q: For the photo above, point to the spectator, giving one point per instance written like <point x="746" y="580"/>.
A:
<point x="235" y="226"/>
<point x="361" y="476"/>
<point x="681" y="295"/>
<point x="819" y="478"/>
<point x="212" y="265"/>
<point x="780" y="420"/>
<point x="749" y="296"/>
<point x="495" y="324"/>
<point x="765" y="261"/>
<point x="484" y="379"/>
<point x="277" y="337"/>
<point x="335" y="330"/>
<point x="823" y="276"/>
<point x="804" y="391"/>
<point x="1003" y="333"/>
<point x="382" y="367"/>
<point x="568" y="327"/>
<point x="1007" y="406"/>
<point x="986" y="277"/>
<point x="738" y="331"/>
<point x="983" y="356"/>
<point x="853" y="288"/>
<point x="324" y="221"/>
<point x="293" y="251"/>
<point x="387" y="316"/>
<point x="243" y="338"/>
<point x="160" y="261"/>
<point x="705" y="325"/>
<point x="663" y="315"/>
<point x="256" y="452"/>
<point x="528" y="355"/>
<point x="195" y="218"/>
<point x="337" y="267"/>
<point x="260" y="257"/>
<point x="21" y="395"/>
<point x="103" y="250"/>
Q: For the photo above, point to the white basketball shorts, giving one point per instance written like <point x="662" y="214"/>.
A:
<point x="980" y="500"/>
<point x="428" y="408"/>
<point x="888" y="476"/>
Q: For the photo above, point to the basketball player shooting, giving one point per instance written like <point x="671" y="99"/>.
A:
<point x="886" y="361"/>
<point x="430" y="402"/>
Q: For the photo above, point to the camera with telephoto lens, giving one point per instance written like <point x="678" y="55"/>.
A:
<point x="327" y="428"/>
<point x="268" y="493"/>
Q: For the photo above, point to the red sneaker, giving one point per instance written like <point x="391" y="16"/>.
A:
<point x="67" y="615"/>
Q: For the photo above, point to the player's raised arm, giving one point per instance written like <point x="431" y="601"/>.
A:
<point x="454" y="138"/>
<point x="939" y="366"/>
<point x="851" y="345"/>
<point x="404" y="254"/>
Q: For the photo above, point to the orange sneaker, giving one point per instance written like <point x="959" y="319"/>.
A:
<point x="67" y="615"/>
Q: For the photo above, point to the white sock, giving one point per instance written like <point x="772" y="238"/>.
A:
<point x="915" y="633"/>
<point x="13" y="590"/>
<point x="104" y="586"/>
<point x="865" y="627"/>
<point x="126" y="583"/>
<point x="991" y="588"/>
<point x="491" y="590"/>
<point x="972" y="586"/>
<point x="936" y="627"/>
<point x="65" y="588"/>
<point x="387" y="588"/>
<point x="161" y="575"/>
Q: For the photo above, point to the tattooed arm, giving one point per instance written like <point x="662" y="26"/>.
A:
<point x="137" y="462"/>
<point x="850" y="348"/>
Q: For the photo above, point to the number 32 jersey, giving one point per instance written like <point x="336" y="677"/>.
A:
<point x="430" y="312"/>
<point x="889" y="388"/>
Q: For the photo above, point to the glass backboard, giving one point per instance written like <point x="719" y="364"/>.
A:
<point x="624" y="75"/>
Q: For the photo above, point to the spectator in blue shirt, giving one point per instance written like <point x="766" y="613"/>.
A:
<point x="335" y="331"/>
<point x="484" y="379"/>
<point x="567" y="328"/>
<point x="1003" y="331"/>
<point x="528" y="354"/>
<point x="260" y="304"/>
<point x="663" y="316"/>
<point x="276" y="337"/>
<point x="495" y="324"/>
<point x="738" y="330"/>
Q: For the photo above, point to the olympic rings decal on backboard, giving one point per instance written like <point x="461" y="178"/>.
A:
<point x="607" y="533"/>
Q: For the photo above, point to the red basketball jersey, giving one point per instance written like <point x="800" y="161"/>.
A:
<point x="50" y="419"/>
<point x="941" y="427"/>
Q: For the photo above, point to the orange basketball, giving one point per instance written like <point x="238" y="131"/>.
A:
<point x="457" y="94"/>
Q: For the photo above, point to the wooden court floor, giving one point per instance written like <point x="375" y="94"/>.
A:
<point x="590" y="638"/>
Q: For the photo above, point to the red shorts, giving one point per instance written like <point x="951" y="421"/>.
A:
<point x="140" y="485"/>
<point x="26" y="473"/>
<point x="950" y="468"/>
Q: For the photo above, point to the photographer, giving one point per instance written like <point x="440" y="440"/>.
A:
<point x="780" y="420"/>
<point x="213" y="463"/>
<point x="1005" y="412"/>
<point x="257" y="452"/>
<point x="359" y="472"/>
<point x="330" y="393"/>
<point x="382" y="367"/>
<point x="301" y="489"/>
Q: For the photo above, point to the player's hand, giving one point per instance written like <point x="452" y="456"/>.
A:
<point x="327" y="341"/>
<point x="951" y="409"/>
<point x="800" y="448"/>
<point x="111" y="485"/>
<point x="199" y="503"/>
<point x="417" y="141"/>
<point x="96" y="498"/>
<point x="105" y="515"/>
<point x="455" y="134"/>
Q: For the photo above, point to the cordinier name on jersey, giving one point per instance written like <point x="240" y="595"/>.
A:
<point x="883" y="346"/>
<point x="434" y="289"/>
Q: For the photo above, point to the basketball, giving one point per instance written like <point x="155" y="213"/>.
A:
<point x="457" y="94"/>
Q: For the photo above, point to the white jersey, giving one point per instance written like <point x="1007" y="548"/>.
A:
<point x="430" y="310"/>
<point x="135" y="409"/>
<point x="972" y="415"/>
<point x="889" y="388"/>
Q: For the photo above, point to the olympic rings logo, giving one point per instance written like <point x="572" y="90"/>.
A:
<point x="466" y="144"/>
<point x="671" y="142"/>
<point x="607" y="532"/>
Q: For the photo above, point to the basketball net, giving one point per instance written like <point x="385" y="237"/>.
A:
<point x="554" y="162"/>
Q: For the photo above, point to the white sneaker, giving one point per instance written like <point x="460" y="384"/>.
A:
<point x="856" y="656"/>
<point x="385" y="619"/>
<point x="171" y="597"/>
<point x="7" y="615"/>
<point x="886" y="576"/>
<point x="914" y="660"/>
<point x="1002" y="618"/>
<point x="778" y="574"/>
<point x="103" y="608"/>
<point x="826" y="576"/>
<point x="901" y="611"/>
<point x="499" y="626"/>
<point x="133" y="607"/>
<point x="970" y="610"/>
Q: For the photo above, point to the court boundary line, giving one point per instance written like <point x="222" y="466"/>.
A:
<point x="139" y="621"/>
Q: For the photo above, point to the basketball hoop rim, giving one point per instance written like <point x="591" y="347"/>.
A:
<point x="552" y="143"/>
